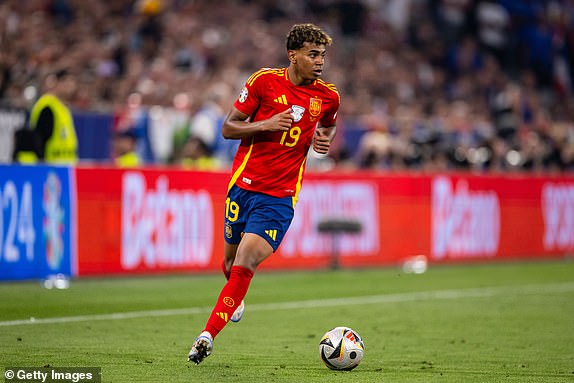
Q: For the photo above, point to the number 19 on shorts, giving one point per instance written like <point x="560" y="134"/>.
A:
<point x="231" y="210"/>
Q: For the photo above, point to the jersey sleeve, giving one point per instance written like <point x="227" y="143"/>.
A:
<point x="330" y="116"/>
<point x="250" y="97"/>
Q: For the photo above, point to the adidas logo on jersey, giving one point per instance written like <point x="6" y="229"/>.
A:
<point x="271" y="233"/>
<point x="281" y="99"/>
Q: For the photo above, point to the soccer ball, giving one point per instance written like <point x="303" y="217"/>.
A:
<point x="341" y="348"/>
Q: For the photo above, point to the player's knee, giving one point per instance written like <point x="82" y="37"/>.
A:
<point x="251" y="258"/>
<point x="250" y="261"/>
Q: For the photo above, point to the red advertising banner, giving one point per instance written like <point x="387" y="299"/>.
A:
<point x="148" y="220"/>
<point x="164" y="220"/>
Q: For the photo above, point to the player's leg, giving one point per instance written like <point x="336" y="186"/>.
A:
<point x="252" y="250"/>
<point x="234" y="226"/>
<point x="250" y="253"/>
<point x="256" y="224"/>
<point x="245" y="258"/>
<point x="229" y="252"/>
<point x="269" y="219"/>
<point x="229" y="257"/>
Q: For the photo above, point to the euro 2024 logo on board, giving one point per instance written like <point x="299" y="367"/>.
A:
<point x="53" y="224"/>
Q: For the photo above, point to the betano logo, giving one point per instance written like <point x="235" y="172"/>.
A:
<point x="558" y="213"/>
<point x="281" y="99"/>
<point x="465" y="222"/>
<point x="164" y="226"/>
<point x="271" y="233"/>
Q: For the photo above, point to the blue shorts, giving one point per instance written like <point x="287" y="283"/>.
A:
<point x="257" y="213"/>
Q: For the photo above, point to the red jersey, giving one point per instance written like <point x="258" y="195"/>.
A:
<point x="273" y="162"/>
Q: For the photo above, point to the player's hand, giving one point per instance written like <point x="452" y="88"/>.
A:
<point x="321" y="142"/>
<point x="280" y="122"/>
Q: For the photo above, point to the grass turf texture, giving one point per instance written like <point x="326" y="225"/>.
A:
<point x="479" y="323"/>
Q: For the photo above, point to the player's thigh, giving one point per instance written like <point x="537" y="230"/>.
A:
<point x="229" y="252"/>
<point x="252" y="250"/>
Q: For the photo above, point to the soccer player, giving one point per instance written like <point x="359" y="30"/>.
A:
<point x="279" y="115"/>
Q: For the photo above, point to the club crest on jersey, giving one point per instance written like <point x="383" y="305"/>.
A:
<point x="315" y="106"/>
<point x="297" y="112"/>
<point x="243" y="95"/>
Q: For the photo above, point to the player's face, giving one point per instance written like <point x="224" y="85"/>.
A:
<point x="309" y="61"/>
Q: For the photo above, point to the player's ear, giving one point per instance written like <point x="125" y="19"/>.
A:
<point x="292" y="56"/>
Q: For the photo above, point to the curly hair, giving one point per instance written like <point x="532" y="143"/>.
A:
<point x="306" y="33"/>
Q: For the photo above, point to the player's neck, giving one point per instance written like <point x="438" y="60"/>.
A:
<point x="295" y="78"/>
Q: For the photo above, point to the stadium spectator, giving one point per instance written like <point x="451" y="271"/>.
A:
<point x="124" y="149"/>
<point x="129" y="124"/>
<point x="197" y="155"/>
<point x="51" y="121"/>
<point x="168" y="128"/>
<point x="375" y="147"/>
<point x="492" y="23"/>
<point x="206" y="123"/>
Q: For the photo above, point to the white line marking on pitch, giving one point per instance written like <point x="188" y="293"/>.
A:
<point x="361" y="300"/>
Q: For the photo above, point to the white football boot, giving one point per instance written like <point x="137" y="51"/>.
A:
<point x="238" y="314"/>
<point x="201" y="348"/>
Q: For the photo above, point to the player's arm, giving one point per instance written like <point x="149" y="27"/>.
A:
<point x="236" y="125"/>
<point x="324" y="135"/>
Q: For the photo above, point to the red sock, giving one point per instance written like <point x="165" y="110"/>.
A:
<point x="225" y="272"/>
<point x="229" y="299"/>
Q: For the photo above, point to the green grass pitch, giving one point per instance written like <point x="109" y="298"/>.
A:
<point x="511" y="322"/>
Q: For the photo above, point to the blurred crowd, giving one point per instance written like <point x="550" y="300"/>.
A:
<point x="435" y="85"/>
